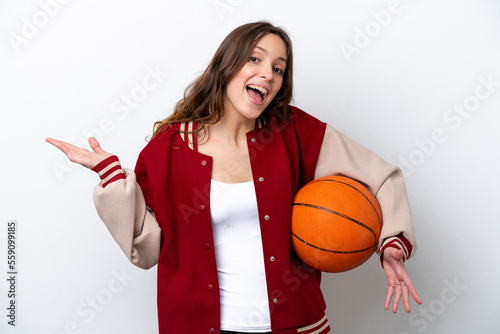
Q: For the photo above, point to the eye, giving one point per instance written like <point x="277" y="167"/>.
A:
<point x="278" y="70"/>
<point x="253" y="59"/>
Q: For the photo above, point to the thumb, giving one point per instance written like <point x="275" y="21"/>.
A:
<point x="95" y="145"/>
<point x="393" y="253"/>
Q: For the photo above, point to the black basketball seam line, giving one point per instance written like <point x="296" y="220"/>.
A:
<point x="340" y="215"/>
<point x="347" y="184"/>
<point x="333" y="251"/>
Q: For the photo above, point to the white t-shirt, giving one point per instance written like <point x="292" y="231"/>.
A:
<point x="239" y="257"/>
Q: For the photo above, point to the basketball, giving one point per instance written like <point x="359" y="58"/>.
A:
<point x="336" y="223"/>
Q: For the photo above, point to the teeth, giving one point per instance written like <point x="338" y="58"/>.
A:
<point x="260" y="89"/>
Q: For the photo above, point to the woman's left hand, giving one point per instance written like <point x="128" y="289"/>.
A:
<point x="398" y="280"/>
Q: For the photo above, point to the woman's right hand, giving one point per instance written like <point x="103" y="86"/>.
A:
<point x="82" y="156"/>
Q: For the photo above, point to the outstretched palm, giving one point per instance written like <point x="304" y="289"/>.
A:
<point x="82" y="156"/>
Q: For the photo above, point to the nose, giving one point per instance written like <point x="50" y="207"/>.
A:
<point x="266" y="72"/>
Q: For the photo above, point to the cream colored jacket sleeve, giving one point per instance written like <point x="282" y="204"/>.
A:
<point x="339" y="155"/>
<point x="122" y="208"/>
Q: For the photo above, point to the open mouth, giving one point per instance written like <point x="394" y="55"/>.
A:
<point x="257" y="93"/>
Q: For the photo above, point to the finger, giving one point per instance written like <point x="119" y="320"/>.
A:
<point x="55" y="142"/>
<point x="412" y="290"/>
<point x="74" y="154"/>
<point x="393" y="255"/>
<point x="400" y="254"/>
<point x="397" y="296"/>
<point x="65" y="149"/>
<point x="406" y="297"/>
<point x="94" y="144"/>
<point x="60" y="145"/>
<point x="414" y="294"/>
<point x="388" y="296"/>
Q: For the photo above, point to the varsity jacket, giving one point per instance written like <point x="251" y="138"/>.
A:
<point x="160" y="214"/>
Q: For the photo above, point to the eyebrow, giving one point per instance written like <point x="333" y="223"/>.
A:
<point x="265" y="51"/>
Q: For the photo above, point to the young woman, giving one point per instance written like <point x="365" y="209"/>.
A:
<point x="210" y="198"/>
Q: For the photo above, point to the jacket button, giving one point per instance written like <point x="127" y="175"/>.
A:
<point x="213" y="331"/>
<point x="210" y="287"/>
<point x="266" y="217"/>
<point x="204" y="163"/>
<point x="275" y="300"/>
<point x="272" y="258"/>
<point x="207" y="246"/>
<point x="202" y="208"/>
<point x="253" y="140"/>
<point x="261" y="179"/>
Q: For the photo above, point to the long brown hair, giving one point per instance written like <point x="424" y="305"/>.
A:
<point x="203" y="100"/>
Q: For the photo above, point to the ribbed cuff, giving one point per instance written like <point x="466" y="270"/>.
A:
<point x="398" y="242"/>
<point x="109" y="170"/>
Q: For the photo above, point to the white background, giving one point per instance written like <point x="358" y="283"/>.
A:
<point x="63" y="75"/>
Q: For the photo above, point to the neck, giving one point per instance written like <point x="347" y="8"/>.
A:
<point x="232" y="129"/>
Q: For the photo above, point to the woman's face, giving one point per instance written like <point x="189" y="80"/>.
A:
<point x="259" y="80"/>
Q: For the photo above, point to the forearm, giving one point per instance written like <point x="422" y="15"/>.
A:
<point x="120" y="204"/>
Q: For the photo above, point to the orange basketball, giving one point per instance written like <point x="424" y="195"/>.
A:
<point x="336" y="223"/>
